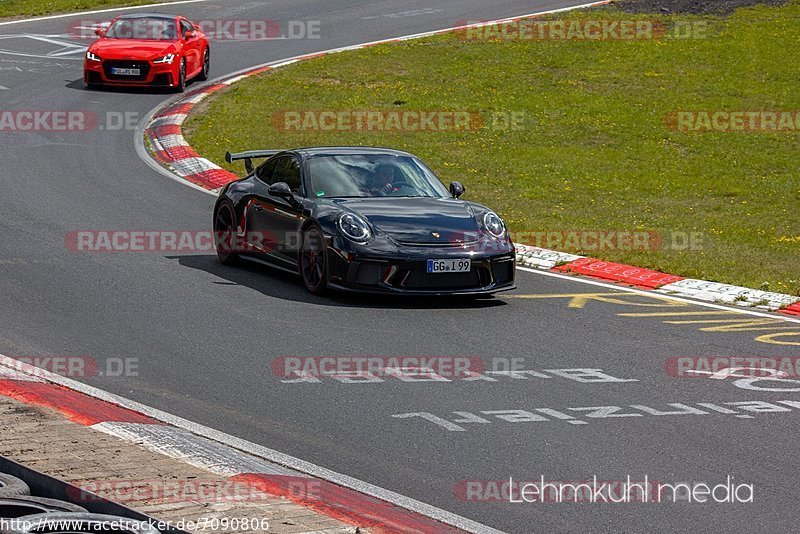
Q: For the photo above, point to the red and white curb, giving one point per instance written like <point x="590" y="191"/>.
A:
<point x="668" y="284"/>
<point x="169" y="148"/>
<point x="329" y="493"/>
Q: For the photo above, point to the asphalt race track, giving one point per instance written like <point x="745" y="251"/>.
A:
<point x="206" y="336"/>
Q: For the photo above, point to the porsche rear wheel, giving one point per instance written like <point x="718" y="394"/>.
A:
<point x="314" y="261"/>
<point x="225" y="238"/>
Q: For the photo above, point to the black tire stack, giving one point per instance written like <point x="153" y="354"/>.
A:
<point x="21" y="513"/>
<point x="12" y="486"/>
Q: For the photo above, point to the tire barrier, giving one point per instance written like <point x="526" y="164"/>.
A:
<point x="12" y="486"/>
<point x="22" y="505"/>
<point x="21" y="513"/>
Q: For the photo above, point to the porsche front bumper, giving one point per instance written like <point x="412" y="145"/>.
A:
<point x="409" y="276"/>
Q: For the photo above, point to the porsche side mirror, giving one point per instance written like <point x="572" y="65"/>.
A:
<point x="456" y="189"/>
<point x="99" y="32"/>
<point x="282" y="190"/>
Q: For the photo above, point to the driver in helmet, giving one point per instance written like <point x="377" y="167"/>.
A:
<point x="383" y="179"/>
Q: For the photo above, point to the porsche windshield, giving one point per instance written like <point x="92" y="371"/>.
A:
<point x="148" y="28"/>
<point x="372" y="175"/>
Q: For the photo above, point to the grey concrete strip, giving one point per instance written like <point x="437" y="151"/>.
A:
<point x="193" y="449"/>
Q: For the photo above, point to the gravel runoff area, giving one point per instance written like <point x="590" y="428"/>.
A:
<point x="707" y="7"/>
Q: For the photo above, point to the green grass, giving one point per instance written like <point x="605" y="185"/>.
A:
<point x="597" y="154"/>
<point x="32" y="8"/>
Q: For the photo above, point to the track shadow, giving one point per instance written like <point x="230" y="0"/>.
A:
<point x="75" y="84"/>
<point x="133" y="89"/>
<point x="278" y="284"/>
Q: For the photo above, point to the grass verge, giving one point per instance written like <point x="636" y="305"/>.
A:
<point x="595" y="152"/>
<point x="35" y="8"/>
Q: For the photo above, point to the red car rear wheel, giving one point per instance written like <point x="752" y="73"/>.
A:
<point x="203" y="76"/>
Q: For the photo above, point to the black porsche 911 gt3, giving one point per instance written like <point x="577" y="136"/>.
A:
<point x="361" y="219"/>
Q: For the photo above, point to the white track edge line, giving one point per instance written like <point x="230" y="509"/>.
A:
<point x="79" y="13"/>
<point x="262" y="452"/>
<point x="658" y="295"/>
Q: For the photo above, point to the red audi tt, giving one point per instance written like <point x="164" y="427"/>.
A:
<point x="147" y="50"/>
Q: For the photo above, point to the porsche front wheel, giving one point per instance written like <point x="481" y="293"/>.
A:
<point x="225" y="238"/>
<point x="314" y="261"/>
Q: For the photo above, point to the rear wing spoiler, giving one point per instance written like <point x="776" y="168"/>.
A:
<point x="249" y="155"/>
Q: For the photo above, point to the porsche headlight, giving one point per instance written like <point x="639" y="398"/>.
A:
<point x="166" y="59"/>
<point x="91" y="56"/>
<point x="494" y="224"/>
<point x="354" y="228"/>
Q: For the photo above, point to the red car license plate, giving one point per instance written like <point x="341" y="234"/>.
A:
<point x="126" y="72"/>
